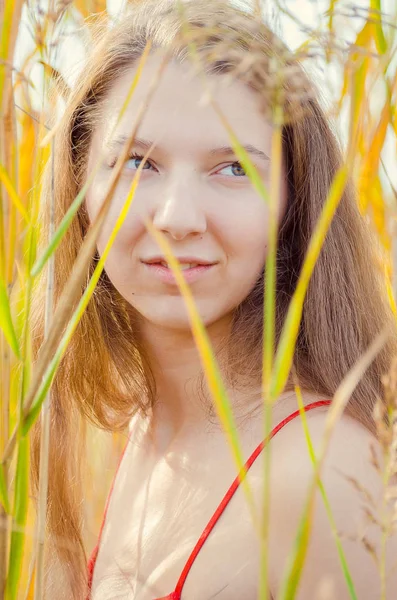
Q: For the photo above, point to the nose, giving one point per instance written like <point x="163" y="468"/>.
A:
<point x="178" y="210"/>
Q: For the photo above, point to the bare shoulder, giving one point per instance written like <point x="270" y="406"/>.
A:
<point x="354" y="490"/>
<point x="349" y="446"/>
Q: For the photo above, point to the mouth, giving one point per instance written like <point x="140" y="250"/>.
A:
<point x="191" y="271"/>
<point x="182" y="266"/>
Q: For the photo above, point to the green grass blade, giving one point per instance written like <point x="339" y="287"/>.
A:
<point x="339" y="547"/>
<point x="269" y="316"/>
<point x="286" y="347"/>
<point x="51" y="370"/>
<point x="4" y="177"/>
<point x="208" y="360"/>
<point x="241" y="153"/>
<point x="71" y="212"/>
<point x="221" y="402"/>
<point x="5" y="37"/>
<point x="72" y="290"/>
<point x="379" y="36"/>
<point x="34" y="411"/>
<point x="6" y="323"/>
<point x="290" y="581"/>
<point x="4" y="499"/>
<point x="19" y="521"/>
<point x="243" y="156"/>
<point x="63" y="227"/>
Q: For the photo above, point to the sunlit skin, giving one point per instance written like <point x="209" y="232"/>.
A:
<point x="203" y="203"/>
<point x="178" y="465"/>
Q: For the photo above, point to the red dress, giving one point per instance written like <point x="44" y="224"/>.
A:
<point x="176" y="593"/>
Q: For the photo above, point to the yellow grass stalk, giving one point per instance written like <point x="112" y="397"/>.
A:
<point x="46" y="408"/>
<point x="269" y="312"/>
<point x="45" y="425"/>
<point x="10" y="12"/>
<point x="290" y="329"/>
<point x="210" y="366"/>
<point x="289" y="334"/>
<point x="19" y="436"/>
<point x="50" y="372"/>
<point x="61" y="231"/>
<point x="296" y="560"/>
<point x="330" y="26"/>
<point x="22" y="378"/>
<point x="14" y="197"/>
<point x="286" y="348"/>
<point x="9" y="20"/>
<point x="376" y="16"/>
<point x="6" y="323"/>
<point x="339" y="547"/>
<point x="86" y="9"/>
<point x="20" y="511"/>
<point x="21" y="493"/>
<point x="72" y="288"/>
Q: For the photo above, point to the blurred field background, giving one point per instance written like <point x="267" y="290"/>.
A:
<point x="40" y="40"/>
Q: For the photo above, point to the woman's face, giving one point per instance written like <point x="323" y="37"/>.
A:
<point x="191" y="189"/>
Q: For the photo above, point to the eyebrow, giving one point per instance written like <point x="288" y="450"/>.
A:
<point x="220" y="151"/>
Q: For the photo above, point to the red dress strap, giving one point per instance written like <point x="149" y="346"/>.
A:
<point x="228" y="496"/>
<point x="176" y="594"/>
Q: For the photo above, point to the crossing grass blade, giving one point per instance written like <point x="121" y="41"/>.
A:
<point x="210" y="366"/>
<point x="72" y="290"/>
<point x="5" y="179"/>
<point x="349" y="581"/>
<point x="379" y="36"/>
<point x="63" y="227"/>
<point x="269" y="315"/>
<point x="290" y="581"/>
<point x="32" y="414"/>
<point x="71" y="212"/>
<point x="19" y="519"/>
<point x="21" y="494"/>
<point x="4" y="499"/>
<point x="260" y="186"/>
<point x="6" y="323"/>
<point x="289" y="334"/>
<point x="372" y="194"/>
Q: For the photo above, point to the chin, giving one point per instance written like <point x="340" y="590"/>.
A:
<point x="174" y="316"/>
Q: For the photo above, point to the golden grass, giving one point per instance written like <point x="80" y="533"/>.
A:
<point x="24" y="391"/>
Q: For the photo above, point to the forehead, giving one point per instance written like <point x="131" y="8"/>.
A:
<point x="176" y="113"/>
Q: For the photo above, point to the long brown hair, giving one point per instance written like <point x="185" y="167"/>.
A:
<point x="104" y="376"/>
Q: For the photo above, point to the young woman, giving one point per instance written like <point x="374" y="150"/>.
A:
<point x="133" y="361"/>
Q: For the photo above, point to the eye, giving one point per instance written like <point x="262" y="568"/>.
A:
<point x="134" y="158"/>
<point x="137" y="157"/>
<point x="237" y="169"/>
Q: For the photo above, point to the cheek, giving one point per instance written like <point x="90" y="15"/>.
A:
<point x="247" y="230"/>
<point x="132" y="226"/>
<point x="246" y="233"/>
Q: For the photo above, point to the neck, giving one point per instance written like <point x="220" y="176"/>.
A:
<point x="176" y="365"/>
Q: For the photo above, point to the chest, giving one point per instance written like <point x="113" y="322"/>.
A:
<point x="157" y="512"/>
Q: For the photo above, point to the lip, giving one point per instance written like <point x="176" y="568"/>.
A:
<point x="166" y="275"/>
<point x="181" y="259"/>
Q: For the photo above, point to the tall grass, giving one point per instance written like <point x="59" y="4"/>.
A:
<point x="367" y="64"/>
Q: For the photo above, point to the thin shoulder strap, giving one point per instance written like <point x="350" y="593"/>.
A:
<point x="231" y="491"/>
<point x="176" y="594"/>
